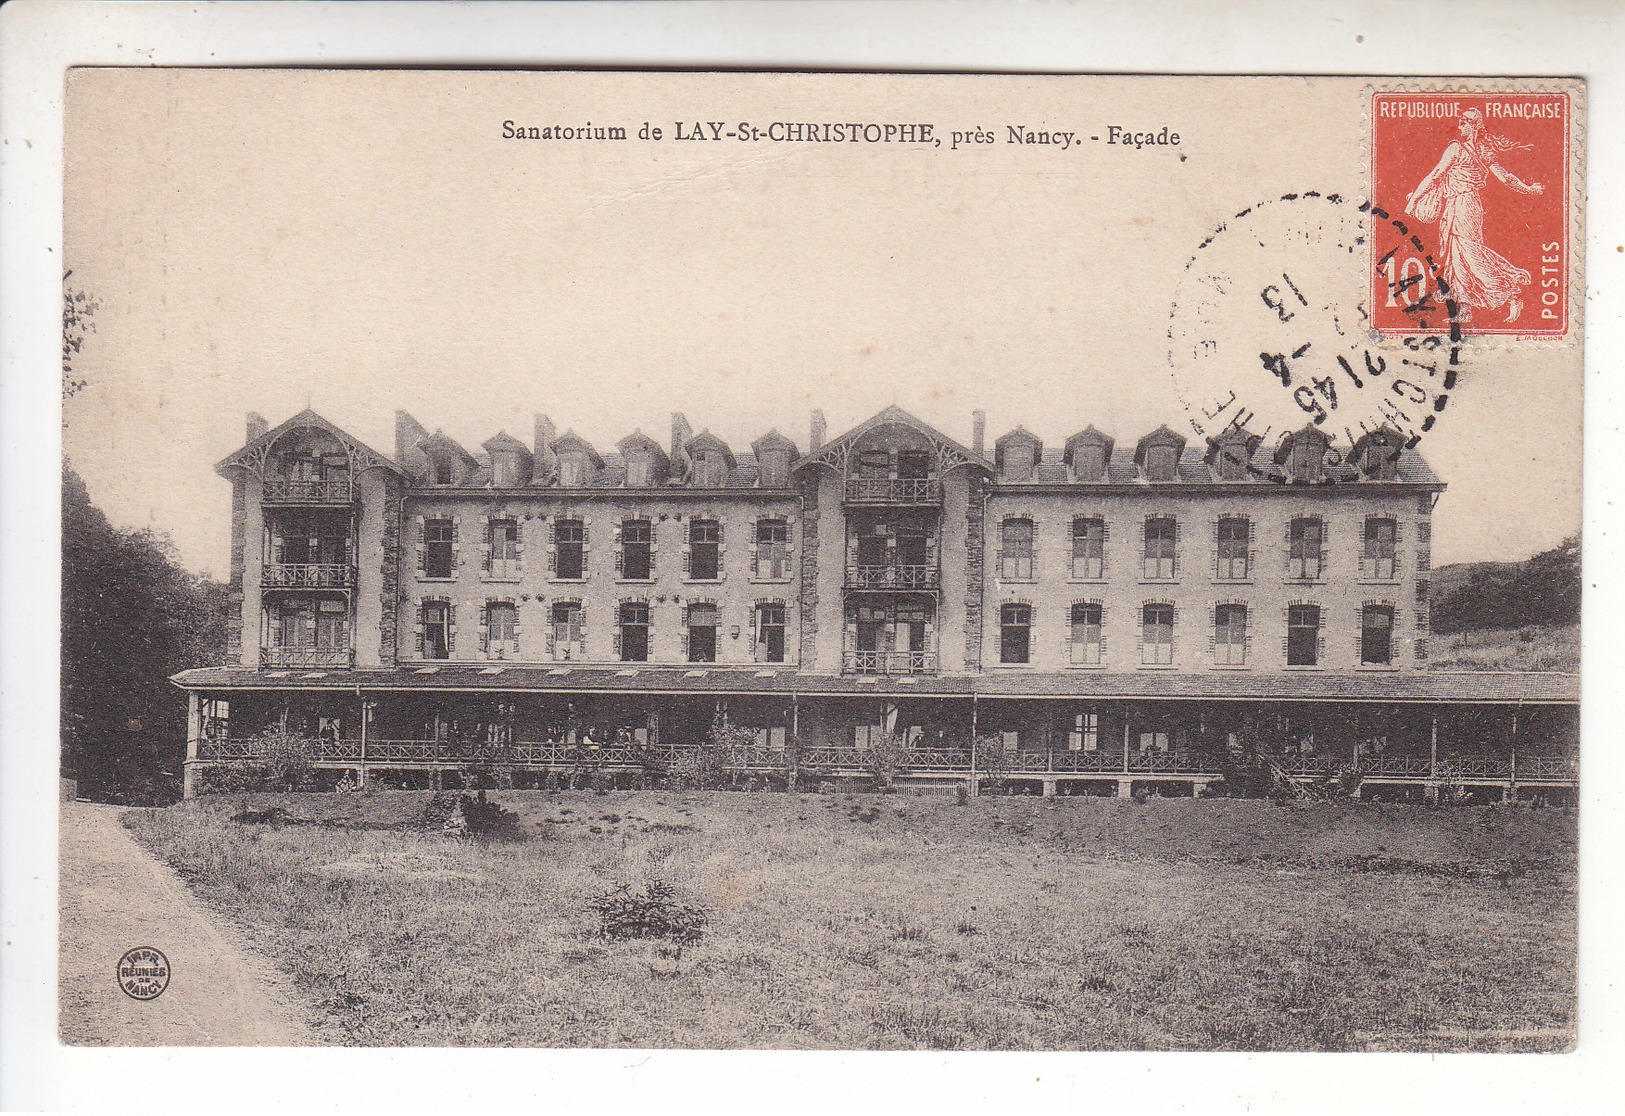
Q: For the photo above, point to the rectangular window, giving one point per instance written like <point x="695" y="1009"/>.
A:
<point x="704" y="549"/>
<point x="1018" y="463"/>
<point x="634" y="623"/>
<point x="913" y="465"/>
<point x="710" y="469"/>
<point x="1016" y="559"/>
<point x="505" y="471"/>
<point x="1089" y="462"/>
<point x="1015" y="633"/>
<point x="1157" y="634"/>
<point x="1162" y="463"/>
<point x="504" y="549"/>
<point x="1089" y="548"/>
<point x="1303" y="635"/>
<point x="1304" y="556"/>
<point x="570" y="550"/>
<point x="1377" y="558"/>
<point x="1155" y="741"/>
<point x="1085" y="734"/>
<point x="774" y="469"/>
<point x="637" y="554"/>
<point x="772" y="549"/>
<point x="332" y="626"/>
<point x="1234" y="542"/>
<point x="1377" y="635"/>
<point x="638" y="470"/>
<point x="569" y="638"/>
<point x="1159" y="548"/>
<point x="439" y="539"/>
<point x="771" y="738"/>
<point x="436" y="630"/>
<point x="501" y="630"/>
<point x="912" y="547"/>
<point x="702" y="633"/>
<point x="572" y="470"/>
<point x="770" y="630"/>
<point x="1230" y="635"/>
<point x="1086" y="634"/>
<point x="874" y="465"/>
<point x="871" y="550"/>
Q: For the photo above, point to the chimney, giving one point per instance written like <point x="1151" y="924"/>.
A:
<point x="681" y="432"/>
<point x="978" y="432"/>
<point x="815" y="440"/>
<point x="257" y="426"/>
<point x="544" y="436"/>
<point x="407" y="435"/>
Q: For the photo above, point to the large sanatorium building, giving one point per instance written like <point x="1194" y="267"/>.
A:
<point x="1083" y="618"/>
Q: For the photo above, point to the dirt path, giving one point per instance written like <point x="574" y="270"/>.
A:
<point x="114" y="897"/>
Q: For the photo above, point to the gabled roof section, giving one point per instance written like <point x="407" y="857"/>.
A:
<point x="1384" y="439"/>
<point x="1234" y="444"/>
<point x="254" y="455"/>
<point x="705" y="440"/>
<point x="504" y="442"/>
<point x="950" y="454"/>
<point x="639" y="442"/>
<point x="1161" y="436"/>
<point x="442" y="443"/>
<point x="1283" y="450"/>
<point x="1019" y="435"/>
<point x="1088" y="436"/>
<point x="773" y="440"/>
<point x="571" y="442"/>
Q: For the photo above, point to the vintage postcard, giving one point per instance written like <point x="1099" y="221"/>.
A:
<point x="821" y="561"/>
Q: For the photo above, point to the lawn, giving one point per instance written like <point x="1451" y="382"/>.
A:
<point x="1533" y="648"/>
<point x="869" y="921"/>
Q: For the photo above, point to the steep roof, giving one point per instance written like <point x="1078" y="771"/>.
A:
<point x="253" y="455"/>
<point x="835" y="450"/>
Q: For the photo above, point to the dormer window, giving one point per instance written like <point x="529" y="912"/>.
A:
<point x="1305" y="464"/>
<point x="505" y="470"/>
<point x="775" y="469"/>
<point x="1089" y="463"/>
<point x="572" y="470"/>
<point x="710" y="470"/>
<point x="1162" y="463"/>
<point x="638" y="471"/>
<point x="442" y="472"/>
<point x="1232" y="459"/>
<point x="1018" y="464"/>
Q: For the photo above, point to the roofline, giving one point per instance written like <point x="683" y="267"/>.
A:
<point x="1187" y="488"/>
<point x="814" y="689"/>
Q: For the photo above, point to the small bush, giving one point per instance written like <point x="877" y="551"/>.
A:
<point x="657" y="913"/>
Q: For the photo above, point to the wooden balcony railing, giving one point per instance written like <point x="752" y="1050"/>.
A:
<point x="896" y="577"/>
<point x="890" y="662"/>
<point x="308" y="575"/>
<point x="332" y="658"/>
<point x="332" y="493"/>
<point x="884" y="490"/>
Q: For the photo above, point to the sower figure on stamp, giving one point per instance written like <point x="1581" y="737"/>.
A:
<point x="1450" y="195"/>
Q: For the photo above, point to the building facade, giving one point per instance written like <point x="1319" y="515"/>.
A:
<point x="1075" y="618"/>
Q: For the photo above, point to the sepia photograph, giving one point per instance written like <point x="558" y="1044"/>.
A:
<point x="820" y="561"/>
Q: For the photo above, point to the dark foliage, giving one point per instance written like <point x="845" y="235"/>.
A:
<point x="131" y="617"/>
<point x="657" y="913"/>
<point x="1543" y="590"/>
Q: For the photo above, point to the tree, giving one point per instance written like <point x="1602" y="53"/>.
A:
<point x="78" y="314"/>
<point x="131" y="618"/>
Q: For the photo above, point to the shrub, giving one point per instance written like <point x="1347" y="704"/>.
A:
<point x="287" y="758"/>
<point x="656" y="913"/>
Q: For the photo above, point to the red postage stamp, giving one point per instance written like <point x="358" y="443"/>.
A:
<point x="1482" y="182"/>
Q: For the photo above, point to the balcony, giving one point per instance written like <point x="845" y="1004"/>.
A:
<point x="317" y="493"/>
<point x="919" y="491"/>
<point x="892" y="577"/>
<point x="307" y="658"/>
<point x="890" y="662"/>
<point x="308" y="575"/>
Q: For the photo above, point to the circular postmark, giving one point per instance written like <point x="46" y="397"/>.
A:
<point x="1271" y="332"/>
<point x="143" y="973"/>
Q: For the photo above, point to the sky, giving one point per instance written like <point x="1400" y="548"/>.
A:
<point x="365" y="241"/>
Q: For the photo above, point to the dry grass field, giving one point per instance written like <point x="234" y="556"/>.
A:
<point x="1532" y="648"/>
<point x="870" y="921"/>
